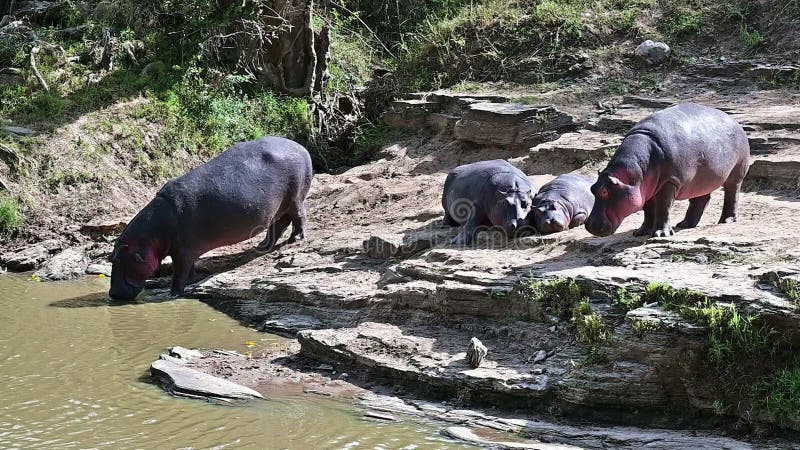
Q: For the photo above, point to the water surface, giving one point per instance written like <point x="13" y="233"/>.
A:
<point x="73" y="374"/>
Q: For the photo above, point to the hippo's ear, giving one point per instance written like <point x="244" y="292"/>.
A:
<point x="615" y="181"/>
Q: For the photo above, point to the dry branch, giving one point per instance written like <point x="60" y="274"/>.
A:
<point x="35" y="70"/>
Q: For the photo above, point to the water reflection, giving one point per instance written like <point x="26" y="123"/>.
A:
<point x="74" y="370"/>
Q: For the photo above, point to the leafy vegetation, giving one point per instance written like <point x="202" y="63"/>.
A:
<point x="626" y="300"/>
<point x="790" y="287"/>
<point x="644" y="327"/>
<point x="589" y="326"/>
<point x="779" y="395"/>
<point x="560" y="295"/>
<point x="11" y="217"/>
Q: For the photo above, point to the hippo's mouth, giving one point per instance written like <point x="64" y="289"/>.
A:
<point x="613" y="220"/>
<point x="122" y="289"/>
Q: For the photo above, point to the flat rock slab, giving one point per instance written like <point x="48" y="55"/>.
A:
<point x="432" y="358"/>
<point x="182" y="381"/>
<point x="580" y="146"/>
<point x="468" y="435"/>
<point x="512" y="124"/>
<point x="30" y="258"/>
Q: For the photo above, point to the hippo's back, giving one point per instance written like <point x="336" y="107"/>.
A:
<point x="245" y="171"/>
<point x="571" y="187"/>
<point x="693" y="127"/>
<point x="474" y="177"/>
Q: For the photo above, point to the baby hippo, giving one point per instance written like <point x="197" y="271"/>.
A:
<point x="491" y="193"/>
<point x="562" y="204"/>
<point x="684" y="152"/>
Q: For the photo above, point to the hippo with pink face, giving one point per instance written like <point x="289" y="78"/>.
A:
<point x="251" y="187"/>
<point x="684" y="152"/>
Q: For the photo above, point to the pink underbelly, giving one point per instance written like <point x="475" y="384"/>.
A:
<point x="696" y="189"/>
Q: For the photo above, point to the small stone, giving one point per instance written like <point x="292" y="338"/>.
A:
<point x="184" y="353"/>
<point x="541" y="355"/>
<point x="105" y="227"/>
<point x="653" y="53"/>
<point x="476" y="352"/>
<point x="552" y="329"/>
<point x="99" y="269"/>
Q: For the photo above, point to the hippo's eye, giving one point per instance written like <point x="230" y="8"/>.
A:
<point x="602" y="193"/>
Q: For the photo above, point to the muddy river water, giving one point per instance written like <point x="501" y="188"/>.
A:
<point x="74" y="374"/>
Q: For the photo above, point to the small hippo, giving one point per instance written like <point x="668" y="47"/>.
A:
<point x="682" y="152"/>
<point x="562" y="204"/>
<point x="492" y="193"/>
<point x="250" y="187"/>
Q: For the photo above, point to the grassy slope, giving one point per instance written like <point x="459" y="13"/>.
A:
<point x="145" y="126"/>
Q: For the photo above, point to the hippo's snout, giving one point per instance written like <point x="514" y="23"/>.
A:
<point x="121" y="289"/>
<point x="127" y="292"/>
<point x="599" y="227"/>
<point x="551" y="225"/>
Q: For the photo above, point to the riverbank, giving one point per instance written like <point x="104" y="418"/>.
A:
<point x="375" y="290"/>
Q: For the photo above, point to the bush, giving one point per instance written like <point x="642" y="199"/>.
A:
<point x="11" y="217"/>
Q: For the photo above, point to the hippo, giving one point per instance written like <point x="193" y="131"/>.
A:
<point x="682" y="152"/>
<point x="250" y="187"/>
<point x="562" y="204"/>
<point x="491" y="193"/>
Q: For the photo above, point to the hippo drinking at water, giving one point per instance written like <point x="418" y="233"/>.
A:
<point x="250" y="187"/>
<point x="491" y="193"/>
<point x="682" y="152"/>
<point x="562" y="204"/>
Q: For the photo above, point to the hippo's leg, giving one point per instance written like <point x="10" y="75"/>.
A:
<point x="696" y="207"/>
<point x="663" y="203"/>
<point x="298" y="217"/>
<point x="732" y="187"/>
<point x="467" y="232"/>
<point x="274" y="233"/>
<point x="182" y="269"/>
<point x="448" y="220"/>
<point x="647" y="226"/>
<point x="577" y="220"/>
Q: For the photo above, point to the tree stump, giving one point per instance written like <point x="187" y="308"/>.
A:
<point x="280" y="48"/>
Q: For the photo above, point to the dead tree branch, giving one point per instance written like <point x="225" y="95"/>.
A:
<point x="35" y="70"/>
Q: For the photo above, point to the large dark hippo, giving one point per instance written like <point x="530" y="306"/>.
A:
<point x="682" y="152"/>
<point x="250" y="187"/>
<point x="562" y="204"/>
<point x="491" y="193"/>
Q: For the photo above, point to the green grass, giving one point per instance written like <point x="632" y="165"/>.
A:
<point x="685" y="22"/>
<point x="626" y="300"/>
<point x="561" y="295"/>
<point x="779" y="395"/>
<point x="589" y="326"/>
<point x="644" y="327"/>
<point x="790" y="288"/>
<point x="752" y="38"/>
<point x="12" y="218"/>
<point x="732" y="335"/>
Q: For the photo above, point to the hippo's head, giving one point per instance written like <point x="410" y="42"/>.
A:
<point x="549" y="217"/>
<point x="132" y="265"/>
<point x="614" y="200"/>
<point x="510" y="209"/>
